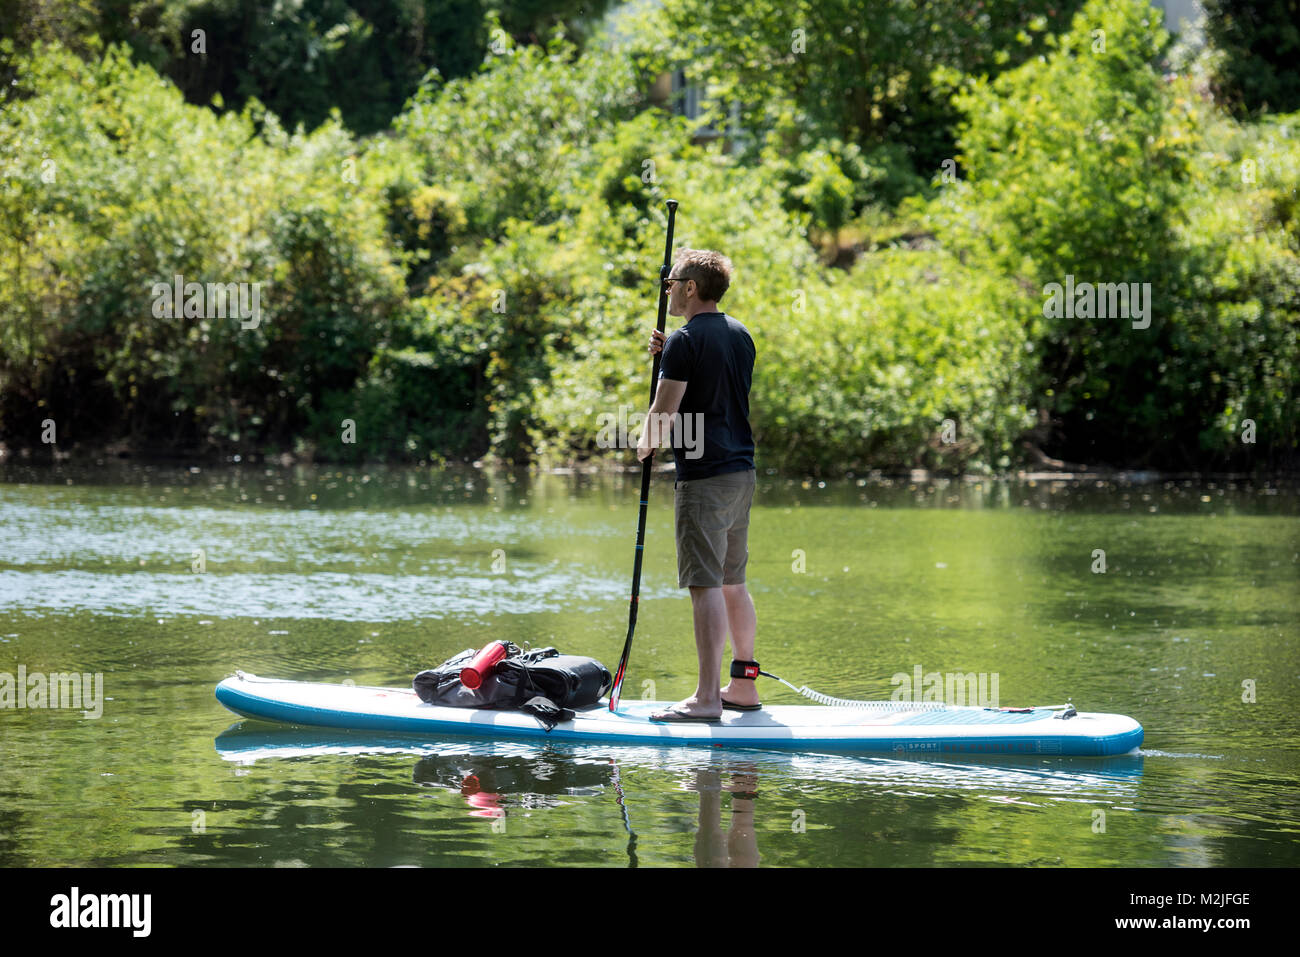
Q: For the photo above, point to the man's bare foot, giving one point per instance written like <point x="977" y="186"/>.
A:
<point x="740" y="691"/>
<point x="692" y="709"/>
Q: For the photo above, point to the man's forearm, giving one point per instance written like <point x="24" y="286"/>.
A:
<point x="658" y="425"/>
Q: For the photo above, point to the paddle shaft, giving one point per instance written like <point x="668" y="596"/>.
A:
<point x="664" y="271"/>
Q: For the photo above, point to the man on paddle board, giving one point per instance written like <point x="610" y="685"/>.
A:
<point x="706" y="369"/>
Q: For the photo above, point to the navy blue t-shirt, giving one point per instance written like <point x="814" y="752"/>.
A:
<point x="714" y="355"/>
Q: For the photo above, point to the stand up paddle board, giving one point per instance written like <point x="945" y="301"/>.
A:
<point x="881" y="726"/>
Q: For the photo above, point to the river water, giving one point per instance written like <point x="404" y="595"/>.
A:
<point x="1175" y="602"/>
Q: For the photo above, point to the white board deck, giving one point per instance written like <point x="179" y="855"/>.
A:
<point x="790" y="727"/>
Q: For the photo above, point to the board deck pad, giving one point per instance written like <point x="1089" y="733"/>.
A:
<point x="970" y="730"/>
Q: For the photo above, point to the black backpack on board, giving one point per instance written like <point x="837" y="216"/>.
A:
<point x="543" y="683"/>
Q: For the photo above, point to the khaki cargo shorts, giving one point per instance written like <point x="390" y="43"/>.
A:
<point x="713" y="529"/>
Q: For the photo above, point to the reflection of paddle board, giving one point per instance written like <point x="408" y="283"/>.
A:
<point x="969" y="730"/>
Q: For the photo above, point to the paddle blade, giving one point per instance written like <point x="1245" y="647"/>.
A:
<point x="617" y="690"/>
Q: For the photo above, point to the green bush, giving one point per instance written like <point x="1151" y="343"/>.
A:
<point x="120" y="185"/>
<point x="1236" y="354"/>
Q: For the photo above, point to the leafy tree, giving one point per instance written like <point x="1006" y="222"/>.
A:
<point x="1261" y="43"/>
<point x="514" y="138"/>
<point x="364" y="58"/>
<point x="1084" y="166"/>
<point x="856" y="70"/>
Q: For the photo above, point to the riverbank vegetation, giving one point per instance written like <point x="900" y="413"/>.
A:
<point x="453" y="215"/>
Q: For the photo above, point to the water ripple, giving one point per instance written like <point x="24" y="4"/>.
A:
<point x="326" y="595"/>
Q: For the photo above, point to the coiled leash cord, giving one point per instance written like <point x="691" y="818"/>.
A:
<point x="751" y="670"/>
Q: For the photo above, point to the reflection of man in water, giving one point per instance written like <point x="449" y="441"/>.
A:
<point x="738" y="846"/>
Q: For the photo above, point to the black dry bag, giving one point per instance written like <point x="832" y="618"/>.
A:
<point x="544" y="683"/>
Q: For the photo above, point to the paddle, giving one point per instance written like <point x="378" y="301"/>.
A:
<point x="664" y="270"/>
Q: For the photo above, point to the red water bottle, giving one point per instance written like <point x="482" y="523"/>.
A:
<point x="472" y="675"/>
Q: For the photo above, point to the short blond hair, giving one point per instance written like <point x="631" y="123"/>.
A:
<point x="711" y="271"/>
